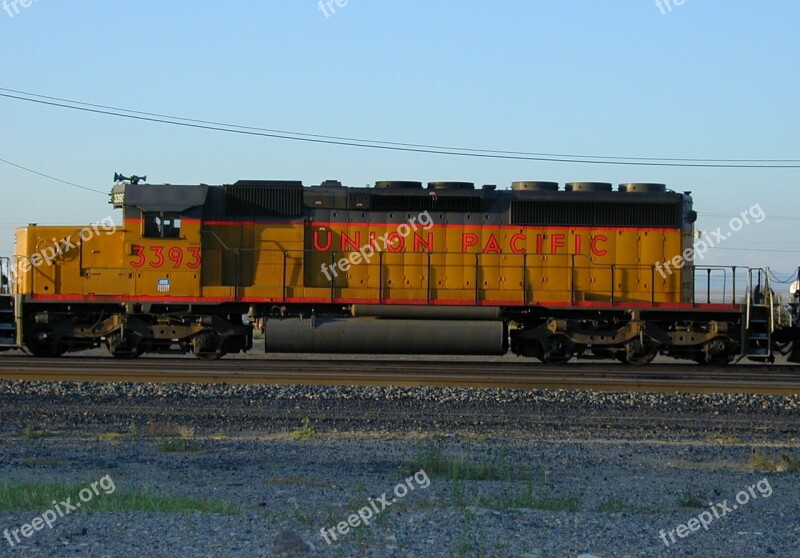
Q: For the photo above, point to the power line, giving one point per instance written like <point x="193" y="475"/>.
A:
<point x="395" y="146"/>
<point x="26" y="169"/>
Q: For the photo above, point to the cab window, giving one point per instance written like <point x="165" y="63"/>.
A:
<point x="162" y="225"/>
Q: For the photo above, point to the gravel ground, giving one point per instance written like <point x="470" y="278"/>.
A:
<point x="548" y="474"/>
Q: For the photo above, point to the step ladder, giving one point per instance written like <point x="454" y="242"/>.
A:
<point x="8" y="328"/>
<point x="759" y="316"/>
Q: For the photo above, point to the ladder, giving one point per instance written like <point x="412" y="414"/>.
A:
<point x="759" y="316"/>
<point x="8" y="329"/>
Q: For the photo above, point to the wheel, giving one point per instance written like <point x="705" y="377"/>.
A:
<point x="556" y="349"/>
<point x="208" y="345"/>
<point x="640" y="351"/>
<point x="717" y="352"/>
<point x="123" y="345"/>
<point x="43" y="343"/>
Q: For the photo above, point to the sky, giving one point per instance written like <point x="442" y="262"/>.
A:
<point x="701" y="80"/>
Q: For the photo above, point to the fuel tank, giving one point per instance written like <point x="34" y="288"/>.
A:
<point x="386" y="336"/>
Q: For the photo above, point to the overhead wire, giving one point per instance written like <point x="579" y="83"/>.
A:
<point x="26" y="169"/>
<point x="393" y="146"/>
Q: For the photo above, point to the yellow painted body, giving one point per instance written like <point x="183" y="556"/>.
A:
<point x="452" y="264"/>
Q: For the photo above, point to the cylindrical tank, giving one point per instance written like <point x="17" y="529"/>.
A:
<point x="643" y="187"/>
<point x="397" y="184"/>
<point x="421" y="312"/>
<point x="385" y="336"/>
<point x="534" y="186"/>
<point x="588" y="187"/>
<point x="451" y="185"/>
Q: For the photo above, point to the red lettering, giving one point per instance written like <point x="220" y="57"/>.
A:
<point x="139" y="253"/>
<point x="467" y="240"/>
<point x="539" y="239"/>
<point x="354" y="244"/>
<point x="195" y="252"/>
<point x="578" y="241"/>
<point x="159" y="252"/>
<point x="492" y="246"/>
<point x="419" y="243"/>
<point x="176" y="255"/>
<point x="328" y="241"/>
<point x="595" y="241"/>
<point x="556" y="242"/>
<point x="393" y="246"/>
<point x="513" y="243"/>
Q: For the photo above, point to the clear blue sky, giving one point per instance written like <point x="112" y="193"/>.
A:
<point x="705" y="80"/>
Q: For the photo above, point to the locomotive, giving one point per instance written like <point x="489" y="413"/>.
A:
<point x="550" y="272"/>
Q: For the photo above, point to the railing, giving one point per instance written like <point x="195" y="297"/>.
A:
<point x="524" y="279"/>
<point x="6" y="276"/>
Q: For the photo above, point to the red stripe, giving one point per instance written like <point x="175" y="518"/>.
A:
<point x="317" y="224"/>
<point x="323" y="300"/>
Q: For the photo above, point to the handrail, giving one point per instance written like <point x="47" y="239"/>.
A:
<point x="717" y="280"/>
<point x="6" y="275"/>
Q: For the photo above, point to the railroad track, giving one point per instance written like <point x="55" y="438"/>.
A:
<point x="747" y="378"/>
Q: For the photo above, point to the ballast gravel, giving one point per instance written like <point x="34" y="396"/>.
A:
<point x="495" y="473"/>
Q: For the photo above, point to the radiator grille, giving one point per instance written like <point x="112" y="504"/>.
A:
<point x="597" y="214"/>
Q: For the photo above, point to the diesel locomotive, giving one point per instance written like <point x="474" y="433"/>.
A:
<point x="551" y="272"/>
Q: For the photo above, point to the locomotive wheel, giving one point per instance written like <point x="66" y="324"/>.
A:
<point x="208" y="345"/>
<point x="123" y="347"/>
<point x="640" y="353"/>
<point x="716" y="352"/>
<point x="556" y="349"/>
<point x="43" y="343"/>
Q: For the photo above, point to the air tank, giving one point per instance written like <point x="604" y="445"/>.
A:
<point x="385" y="336"/>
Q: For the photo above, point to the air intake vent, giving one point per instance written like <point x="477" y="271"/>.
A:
<point x="596" y="214"/>
<point x="427" y="203"/>
<point x="263" y="200"/>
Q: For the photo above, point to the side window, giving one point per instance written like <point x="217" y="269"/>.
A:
<point x="162" y="225"/>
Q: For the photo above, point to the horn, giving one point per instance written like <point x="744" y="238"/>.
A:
<point x="119" y="178"/>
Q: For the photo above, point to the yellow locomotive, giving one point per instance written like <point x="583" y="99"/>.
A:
<point x="399" y="268"/>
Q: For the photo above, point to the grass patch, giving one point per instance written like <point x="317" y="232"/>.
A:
<point x="690" y="500"/>
<point x="612" y="505"/>
<point x="762" y="461"/>
<point x="33" y="434"/>
<point x="462" y="496"/>
<point x="437" y="464"/>
<point x="306" y="432"/>
<point x="111" y="436"/>
<point x="728" y="440"/>
<point x="529" y="499"/>
<point x="177" y="445"/>
<point x="23" y="496"/>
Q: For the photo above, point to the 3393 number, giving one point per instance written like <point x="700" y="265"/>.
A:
<point x="159" y="256"/>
